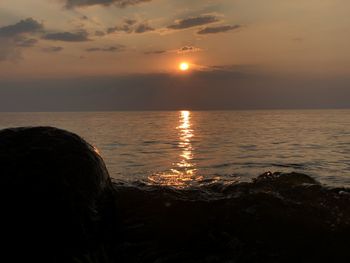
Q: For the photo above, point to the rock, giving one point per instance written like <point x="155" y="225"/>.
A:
<point x="285" y="179"/>
<point x="55" y="195"/>
<point x="276" y="218"/>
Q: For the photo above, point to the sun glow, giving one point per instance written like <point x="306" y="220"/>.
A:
<point x="184" y="66"/>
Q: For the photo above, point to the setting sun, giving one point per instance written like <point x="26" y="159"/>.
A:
<point x="184" y="66"/>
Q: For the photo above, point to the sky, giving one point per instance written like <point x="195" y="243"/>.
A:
<point x="124" y="54"/>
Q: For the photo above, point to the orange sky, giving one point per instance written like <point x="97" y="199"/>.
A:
<point x="59" y="38"/>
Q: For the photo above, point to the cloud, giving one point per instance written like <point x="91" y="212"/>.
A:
<point x="116" y="48"/>
<point x="155" y="52"/>
<point x="123" y="28"/>
<point x="53" y="49"/>
<point x="99" y="33"/>
<point x="184" y="49"/>
<point x="217" y="29"/>
<point x="28" y="25"/>
<point x="194" y="21"/>
<point x="130" y="22"/>
<point x="14" y="37"/>
<point x="26" y="42"/>
<point x="189" y="49"/>
<point x="238" y="68"/>
<point x="79" y="36"/>
<point x="142" y="28"/>
<point x="131" y="26"/>
<point x="118" y="3"/>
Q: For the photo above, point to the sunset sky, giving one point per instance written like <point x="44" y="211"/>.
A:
<point x="118" y="44"/>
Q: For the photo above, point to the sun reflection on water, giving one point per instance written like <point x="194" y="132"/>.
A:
<point x="184" y="170"/>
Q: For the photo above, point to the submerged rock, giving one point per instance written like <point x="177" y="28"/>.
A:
<point x="54" y="194"/>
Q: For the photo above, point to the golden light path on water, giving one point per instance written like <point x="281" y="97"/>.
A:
<point x="184" y="170"/>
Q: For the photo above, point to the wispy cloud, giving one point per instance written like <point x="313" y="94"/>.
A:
<point x="123" y="28"/>
<point x="53" y="49"/>
<point x="99" y="33"/>
<point x="26" y="42"/>
<point x="79" y="36"/>
<point x="155" y="52"/>
<point x="131" y="26"/>
<point x="189" y="49"/>
<point x="193" y="22"/>
<point x="184" y="49"/>
<point x="142" y="28"/>
<point x="130" y="21"/>
<point x="28" y="25"/>
<point x="118" y="3"/>
<point x="217" y="29"/>
<point x="116" y="48"/>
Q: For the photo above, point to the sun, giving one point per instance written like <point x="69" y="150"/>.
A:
<point x="184" y="66"/>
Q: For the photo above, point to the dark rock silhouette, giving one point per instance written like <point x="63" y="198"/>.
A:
<point x="276" y="218"/>
<point x="55" y="190"/>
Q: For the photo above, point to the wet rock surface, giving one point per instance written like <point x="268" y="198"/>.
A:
<point x="275" y="218"/>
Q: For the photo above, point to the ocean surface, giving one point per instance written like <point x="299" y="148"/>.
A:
<point x="184" y="148"/>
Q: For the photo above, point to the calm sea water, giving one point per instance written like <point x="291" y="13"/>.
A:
<point x="183" y="148"/>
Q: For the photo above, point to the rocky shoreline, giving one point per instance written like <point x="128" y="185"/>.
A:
<point x="59" y="205"/>
<point x="275" y="218"/>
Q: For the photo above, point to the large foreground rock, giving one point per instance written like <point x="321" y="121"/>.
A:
<point x="54" y="194"/>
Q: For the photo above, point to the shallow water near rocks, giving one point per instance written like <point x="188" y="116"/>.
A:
<point x="187" y="148"/>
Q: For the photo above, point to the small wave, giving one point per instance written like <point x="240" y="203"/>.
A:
<point x="290" y="165"/>
<point x="248" y="147"/>
<point x="221" y="165"/>
<point x="151" y="142"/>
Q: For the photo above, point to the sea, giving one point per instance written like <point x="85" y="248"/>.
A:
<point x="185" y="148"/>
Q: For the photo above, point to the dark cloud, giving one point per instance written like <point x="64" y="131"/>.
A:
<point x="118" y="3"/>
<point x="53" y="49"/>
<point x="99" y="33"/>
<point x="184" y="49"/>
<point x="26" y="42"/>
<point x="28" y="25"/>
<point x="142" y="28"/>
<point x="79" y="36"/>
<point x="107" y="49"/>
<point x="155" y="52"/>
<point x="131" y="26"/>
<point x="206" y="90"/>
<point x="217" y="29"/>
<point x="194" y="21"/>
<point x="14" y="37"/>
<point x="188" y="49"/>
<point x="123" y="28"/>
<point x="130" y="22"/>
